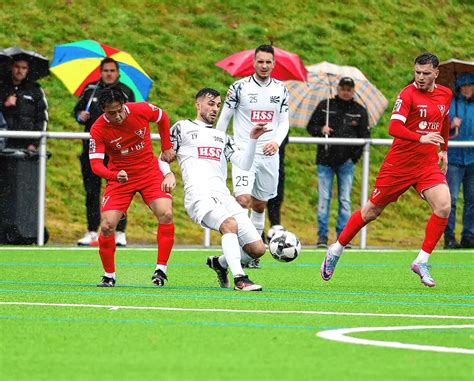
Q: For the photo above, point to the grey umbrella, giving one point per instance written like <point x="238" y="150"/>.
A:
<point x="38" y="65"/>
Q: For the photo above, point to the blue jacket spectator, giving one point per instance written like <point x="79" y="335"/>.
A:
<point x="461" y="162"/>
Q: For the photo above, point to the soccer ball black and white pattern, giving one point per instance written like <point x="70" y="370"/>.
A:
<point x="284" y="246"/>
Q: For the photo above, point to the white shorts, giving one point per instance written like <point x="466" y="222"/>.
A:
<point x="210" y="211"/>
<point x="261" y="181"/>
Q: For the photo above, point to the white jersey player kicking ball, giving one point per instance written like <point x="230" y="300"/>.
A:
<point x="202" y="153"/>
<point x="257" y="99"/>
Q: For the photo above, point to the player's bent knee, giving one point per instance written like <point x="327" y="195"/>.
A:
<point x="259" y="206"/>
<point x="244" y="201"/>
<point x="166" y="216"/>
<point x="107" y="228"/>
<point x="443" y="211"/>
<point x="255" y="249"/>
<point x="229" y="226"/>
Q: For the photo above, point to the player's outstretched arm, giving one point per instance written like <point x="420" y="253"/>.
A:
<point x="169" y="181"/>
<point x="244" y="159"/>
<point x="224" y="118"/>
<point x="258" y="130"/>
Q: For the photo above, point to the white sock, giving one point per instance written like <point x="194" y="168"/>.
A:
<point x="336" y="249"/>
<point x="245" y="258"/>
<point x="231" y="250"/>
<point x="162" y="268"/>
<point x="258" y="220"/>
<point x="110" y="275"/>
<point x="222" y="261"/>
<point x="423" y="257"/>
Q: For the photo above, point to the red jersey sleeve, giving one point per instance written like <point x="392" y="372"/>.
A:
<point x="400" y="112"/>
<point x="445" y="133"/>
<point x="97" y="155"/>
<point x="402" y="106"/>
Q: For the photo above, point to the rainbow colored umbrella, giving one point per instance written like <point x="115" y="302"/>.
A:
<point x="78" y="63"/>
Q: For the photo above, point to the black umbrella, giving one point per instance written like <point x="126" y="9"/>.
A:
<point x="38" y="65"/>
<point x="5" y="62"/>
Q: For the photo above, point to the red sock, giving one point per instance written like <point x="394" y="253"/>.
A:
<point x="107" y="252"/>
<point x="352" y="227"/>
<point x="434" y="230"/>
<point x="165" y="239"/>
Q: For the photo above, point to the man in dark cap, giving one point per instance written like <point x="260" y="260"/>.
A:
<point x="347" y="119"/>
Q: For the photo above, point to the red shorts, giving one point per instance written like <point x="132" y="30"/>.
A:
<point x="391" y="182"/>
<point x="119" y="196"/>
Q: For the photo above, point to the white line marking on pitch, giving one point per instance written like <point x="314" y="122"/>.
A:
<point x="340" y="335"/>
<point x="185" y="249"/>
<point x="115" y="307"/>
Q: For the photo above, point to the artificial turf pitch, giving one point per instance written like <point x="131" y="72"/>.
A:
<point x="57" y="325"/>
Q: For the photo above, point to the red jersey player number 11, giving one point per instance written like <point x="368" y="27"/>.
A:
<point x="123" y="133"/>
<point x="419" y="124"/>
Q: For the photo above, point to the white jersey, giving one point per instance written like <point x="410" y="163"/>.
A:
<point x="250" y="102"/>
<point x="202" y="153"/>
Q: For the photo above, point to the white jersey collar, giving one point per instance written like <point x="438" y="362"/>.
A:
<point x="260" y="83"/>
<point x="202" y="124"/>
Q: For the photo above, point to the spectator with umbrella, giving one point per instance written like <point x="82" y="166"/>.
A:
<point x="340" y="117"/>
<point x="22" y="100"/>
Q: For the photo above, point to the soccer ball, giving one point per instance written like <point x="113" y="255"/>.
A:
<point x="273" y="229"/>
<point x="284" y="246"/>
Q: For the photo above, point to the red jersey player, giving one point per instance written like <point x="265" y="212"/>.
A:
<point x="419" y="123"/>
<point x="122" y="133"/>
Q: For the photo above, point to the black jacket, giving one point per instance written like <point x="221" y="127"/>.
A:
<point x="30" y="112"/>
<point x="348" y="119"/>
<point x="95" y="110"/>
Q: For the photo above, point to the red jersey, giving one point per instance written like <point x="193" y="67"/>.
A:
<point x="421" y="112"/>
<point x="128" y="145"/>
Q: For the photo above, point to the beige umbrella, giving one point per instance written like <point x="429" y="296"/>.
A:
<point x="322" y="82"/>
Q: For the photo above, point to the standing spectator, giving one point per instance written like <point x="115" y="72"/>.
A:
<point x="86" y="112"/>
<point x="123" y="133"/>
<point x="347" y="119"/>
<point x="258" y="98"/>
<point x="23" y="104"/>
<point x="461" y="162"/>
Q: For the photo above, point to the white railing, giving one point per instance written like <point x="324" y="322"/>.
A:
<point x="44" y="136"/>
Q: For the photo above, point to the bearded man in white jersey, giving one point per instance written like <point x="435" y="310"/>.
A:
<point x="202" y="153"/>
<point x="258" y="98"/>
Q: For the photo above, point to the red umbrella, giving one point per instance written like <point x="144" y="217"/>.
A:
<point x="289" y="66"/>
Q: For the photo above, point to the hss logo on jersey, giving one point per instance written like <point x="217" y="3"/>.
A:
<point x="211" y="153"/>
<point x="257" y="116"/>
<point x="442" y="109"/>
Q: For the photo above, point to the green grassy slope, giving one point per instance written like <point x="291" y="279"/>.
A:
<point x="178" y="42"/>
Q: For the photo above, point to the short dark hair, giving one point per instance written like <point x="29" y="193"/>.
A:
<point x="110" y="95"/>
<point x="266" y="49"/>
<point x="108" y="60"/>
<point x="427" y="58"/>
<point x="207" y="91"/>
